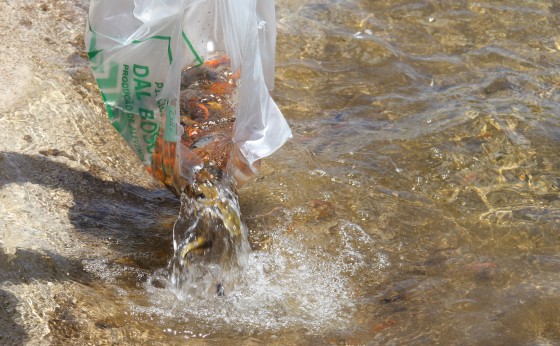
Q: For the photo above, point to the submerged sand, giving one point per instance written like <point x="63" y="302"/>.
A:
<point x="58" y="153"/>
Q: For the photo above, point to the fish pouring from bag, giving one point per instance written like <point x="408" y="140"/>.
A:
<point x="209" y="230"/>
<point x="209" y="238"/>
<point x="180" y="119"/>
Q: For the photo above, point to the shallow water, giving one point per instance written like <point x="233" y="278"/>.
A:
<point x="418" y="202"/>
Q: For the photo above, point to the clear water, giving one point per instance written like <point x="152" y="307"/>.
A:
<point x="418" y="202"/>
<point x="209" y="242"/>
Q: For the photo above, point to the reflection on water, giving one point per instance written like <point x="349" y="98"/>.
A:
<point x="418" y="203"/>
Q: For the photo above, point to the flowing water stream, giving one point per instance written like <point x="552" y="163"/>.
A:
<point x="418" y="202"/>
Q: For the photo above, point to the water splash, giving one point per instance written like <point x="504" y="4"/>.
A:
<point x="209" y="240"/>
<point x="289" y="285"/>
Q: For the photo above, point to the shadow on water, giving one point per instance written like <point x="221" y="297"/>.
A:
<point x="25" y="267"/>
<point x="132" y="222"/>
<point x="128" y="218"/>
<point x="11" y="333"/>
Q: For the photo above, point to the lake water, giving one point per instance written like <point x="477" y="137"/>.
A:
<point x="418" y="202"/>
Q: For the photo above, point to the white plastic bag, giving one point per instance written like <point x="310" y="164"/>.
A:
<point x="138" y="49"/>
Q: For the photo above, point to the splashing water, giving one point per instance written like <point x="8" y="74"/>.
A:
<point x="215" y="279"/>
<point x="209" y="238"/>
<point x="289" y="285"/>
<point x="210" y="242"/>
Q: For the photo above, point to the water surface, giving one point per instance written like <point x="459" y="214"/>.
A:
<point x="418" y="202"/>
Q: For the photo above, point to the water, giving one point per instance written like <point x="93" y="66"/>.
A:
<point x="209" y="241"/>
<point x="418" y="202"/>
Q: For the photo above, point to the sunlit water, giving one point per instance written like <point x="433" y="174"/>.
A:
<point x="418" y="203"/>
<point x="210" y="244"/>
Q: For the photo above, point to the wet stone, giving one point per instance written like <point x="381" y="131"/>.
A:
<point x="105" y="324"/>
<point x="498" y="86"/>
